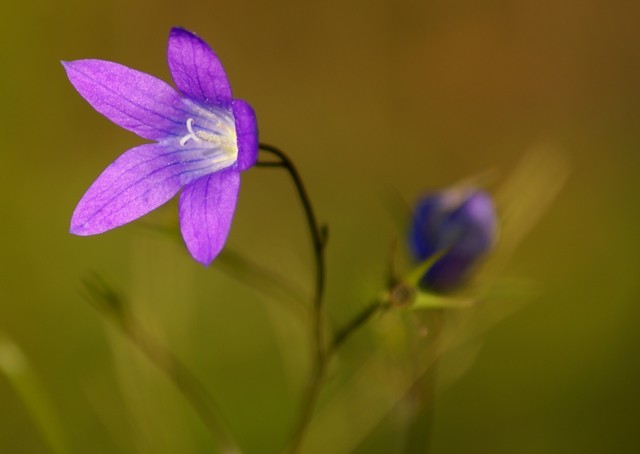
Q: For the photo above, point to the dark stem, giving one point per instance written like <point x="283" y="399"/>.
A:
<point x="317" y="238"/>
<point x="353" y="325"/>
<point x="322" y="355"/>
<point x="318" y="242"/>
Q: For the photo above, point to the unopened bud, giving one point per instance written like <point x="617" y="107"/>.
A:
<point x="460" y="224"/>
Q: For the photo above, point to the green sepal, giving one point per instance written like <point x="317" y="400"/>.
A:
<point x="414" y="277"/>
<point x="427" y="300"/>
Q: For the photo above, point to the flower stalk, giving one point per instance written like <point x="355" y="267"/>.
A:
<point x="359" y="320"/>
<point x="318" y="240"/>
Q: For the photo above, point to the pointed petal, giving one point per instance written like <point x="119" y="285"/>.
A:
<point x="247" y="134"/>
<point x="206" y="211"/>
<point x="140" y="180"/>
<point x="196" y="70"/>
<point x="131" y="99"/>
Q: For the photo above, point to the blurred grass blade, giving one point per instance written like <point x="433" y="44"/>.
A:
<point x="264" y="280"/>
<point x="110" y="302"/>
<point x="522" y="200"/>
<point x="15" y="366"/>
<point x="246" y="271"/>
<point x="104" y="298"/>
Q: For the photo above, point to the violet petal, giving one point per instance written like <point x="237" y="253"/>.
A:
<point x="131" y="99"/>
<point x="206" y="211"/>
<point x="140" y="180"/>
<point x="246" y="133"/>
<point x="196" y="70"/>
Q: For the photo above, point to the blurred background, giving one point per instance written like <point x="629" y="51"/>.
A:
<point x="377" y="102"/>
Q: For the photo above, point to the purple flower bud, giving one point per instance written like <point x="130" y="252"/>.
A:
<point x="460" y="221"/>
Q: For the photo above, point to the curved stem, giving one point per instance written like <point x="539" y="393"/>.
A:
<point x="322" y="355"/>
<point x="318" y="242"/>
<point x="317" y="238"/>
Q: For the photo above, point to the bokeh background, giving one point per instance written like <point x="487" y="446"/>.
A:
<point x="376" y="101"/>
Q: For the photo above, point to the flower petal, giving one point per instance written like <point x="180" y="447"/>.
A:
<point x="140" y="180"/>
<point x="448" y="273"/>
<point x="131" y="99"/>
<point x="246" y="133"/>
<point x="196" y="70"/>
<point x="206" y="211"/>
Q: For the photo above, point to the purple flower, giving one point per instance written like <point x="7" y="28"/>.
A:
<point x="203" y="140"/>
<point x="460" y="222"/>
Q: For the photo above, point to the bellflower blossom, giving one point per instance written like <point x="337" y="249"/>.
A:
<point x="203" y="140"/>
<point x="460" y="223"/>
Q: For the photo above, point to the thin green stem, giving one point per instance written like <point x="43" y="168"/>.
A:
<point x="317" y="237"/>
<point x="318" y="241"/>
<point x="422" y="393"/>
<point x="322" y="355"/>
<point x="341" y="336"/>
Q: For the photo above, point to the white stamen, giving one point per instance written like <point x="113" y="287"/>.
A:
<point x="191" y="136"/>
<point x="190" y="125"/>
<point x="214" y="138"/>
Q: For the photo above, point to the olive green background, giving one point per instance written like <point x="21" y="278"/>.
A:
<point x="375" y="101"/>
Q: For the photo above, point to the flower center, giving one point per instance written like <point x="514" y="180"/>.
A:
<point x="191" y="136"/>
<point x="218" y="141"/>
<point x="206" y="142"/>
